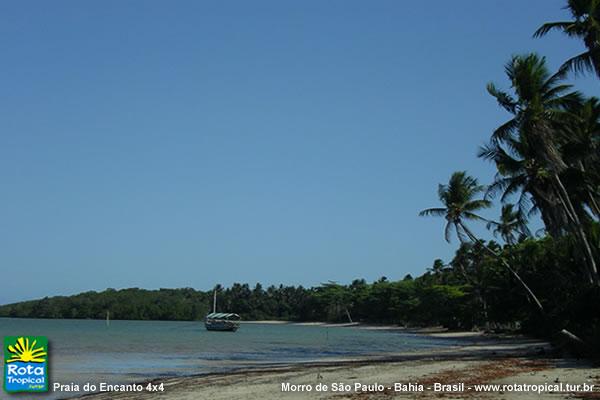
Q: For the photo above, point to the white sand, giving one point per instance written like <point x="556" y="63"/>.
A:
<point x="482" y="360"/>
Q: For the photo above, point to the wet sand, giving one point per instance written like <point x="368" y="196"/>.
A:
<point x="479" y="360"/>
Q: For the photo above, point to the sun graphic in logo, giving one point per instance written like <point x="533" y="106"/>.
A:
<point x="26" y="352"/>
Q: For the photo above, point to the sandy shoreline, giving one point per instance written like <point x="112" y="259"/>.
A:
<point x="360" y="325"/>
<point x="481" y="360"/>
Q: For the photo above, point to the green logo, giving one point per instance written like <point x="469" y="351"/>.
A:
<point x="25" y="364"/>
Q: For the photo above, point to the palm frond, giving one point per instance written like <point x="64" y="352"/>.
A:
<point x="474" y="217"/>
<point x="554" y="81"/>
<point x="553" y="91"/>
<point x="499" y="185"/>
<point x="477" y="205"/>
<point x="435" y="212"/>
<point x="447" y="231"/>
<point x="504" y="99"/>
<point x="491" y="224"/>
<point x="579" y="64"/>
<point x="443" y="193"/>
<point x="544" y="29"/>
<point x="568" y="101"/>
<point x="505" y="131"/>
<point x="515" y="184"/>
<point x="527" y="207"/>
<point x="488" y="152"/>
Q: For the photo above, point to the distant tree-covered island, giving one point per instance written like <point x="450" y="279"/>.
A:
<point x="473" y="290"/>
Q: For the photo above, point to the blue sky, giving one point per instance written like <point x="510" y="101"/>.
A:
<point x="183" y="144"/>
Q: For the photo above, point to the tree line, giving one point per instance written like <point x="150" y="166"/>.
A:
<point x="473" y="290"/>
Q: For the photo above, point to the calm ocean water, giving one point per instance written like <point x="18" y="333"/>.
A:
<point x="89" y="351"/>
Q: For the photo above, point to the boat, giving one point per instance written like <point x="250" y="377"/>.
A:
<point x="225" y="322"/>
<point x="222" y="322"/>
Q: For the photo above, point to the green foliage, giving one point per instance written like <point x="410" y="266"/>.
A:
<point x="460" y="201"/>
<point x="585" y="26"/>
<point x="473" y="290"/>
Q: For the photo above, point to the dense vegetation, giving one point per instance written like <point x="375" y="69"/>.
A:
<point x="547" y="156"/>
<point x="473" y="290"/>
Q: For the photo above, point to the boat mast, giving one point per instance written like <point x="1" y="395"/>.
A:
<point x="215" y="301"/>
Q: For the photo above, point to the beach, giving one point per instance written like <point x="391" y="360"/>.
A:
<point x="479" y="360"/>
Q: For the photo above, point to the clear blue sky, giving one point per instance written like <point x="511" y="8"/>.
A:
<point x="188" y="143"/>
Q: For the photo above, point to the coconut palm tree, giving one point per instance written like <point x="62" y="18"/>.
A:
<point x="540" y="106"/>
<point x="458" y="197"/>
<point x="437" y="268"/>
<point x="460" y="203"/>
<point x="511" y="224"/>
<point x="581" y="150"/>
<point x="521" y="175"/>
<point x="585" y="26"/>
<point x="437" y="272"/>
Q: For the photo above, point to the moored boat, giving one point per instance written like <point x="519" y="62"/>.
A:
<point x="225" y="322"/>
<point x="222" y="322"/>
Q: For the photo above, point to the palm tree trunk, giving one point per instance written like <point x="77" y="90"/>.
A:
<point x="593" y="204"/>
<point x="348" y="315"/>
<point x="463" y="272"/>
<point x="589" y="255"/>
<point x="563" y="332"/>
<point x="478" y="290"/>
<point x="506" y="265"/>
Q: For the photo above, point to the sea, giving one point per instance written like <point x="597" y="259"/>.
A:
<point x="92" y="351"/>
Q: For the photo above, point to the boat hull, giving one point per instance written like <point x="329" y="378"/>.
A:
<point x="222" y="326"/>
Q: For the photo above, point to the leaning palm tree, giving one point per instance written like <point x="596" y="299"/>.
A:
<point x="537" y="105"/>
<point x="519" y="174"/>
<point x="458" y="197"/>
<point x="585" y="26"/>
<point x="511" y="224"/>
<point x="460" y="203"/>
<point x="581" y="149"/>
<point x="540" y="109"/>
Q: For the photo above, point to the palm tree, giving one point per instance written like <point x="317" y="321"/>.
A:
<point x="520" y="174"/>
<point x="437" y="271"/>
<point x="540" y="109"/>
<point x="458" y="197"/>
<point x="460" y="201"/>
<point x="585" y="26"/>
<point x="581" y="149"/>
<point x="511" y="223"/>
<point x="437" y="268"/>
